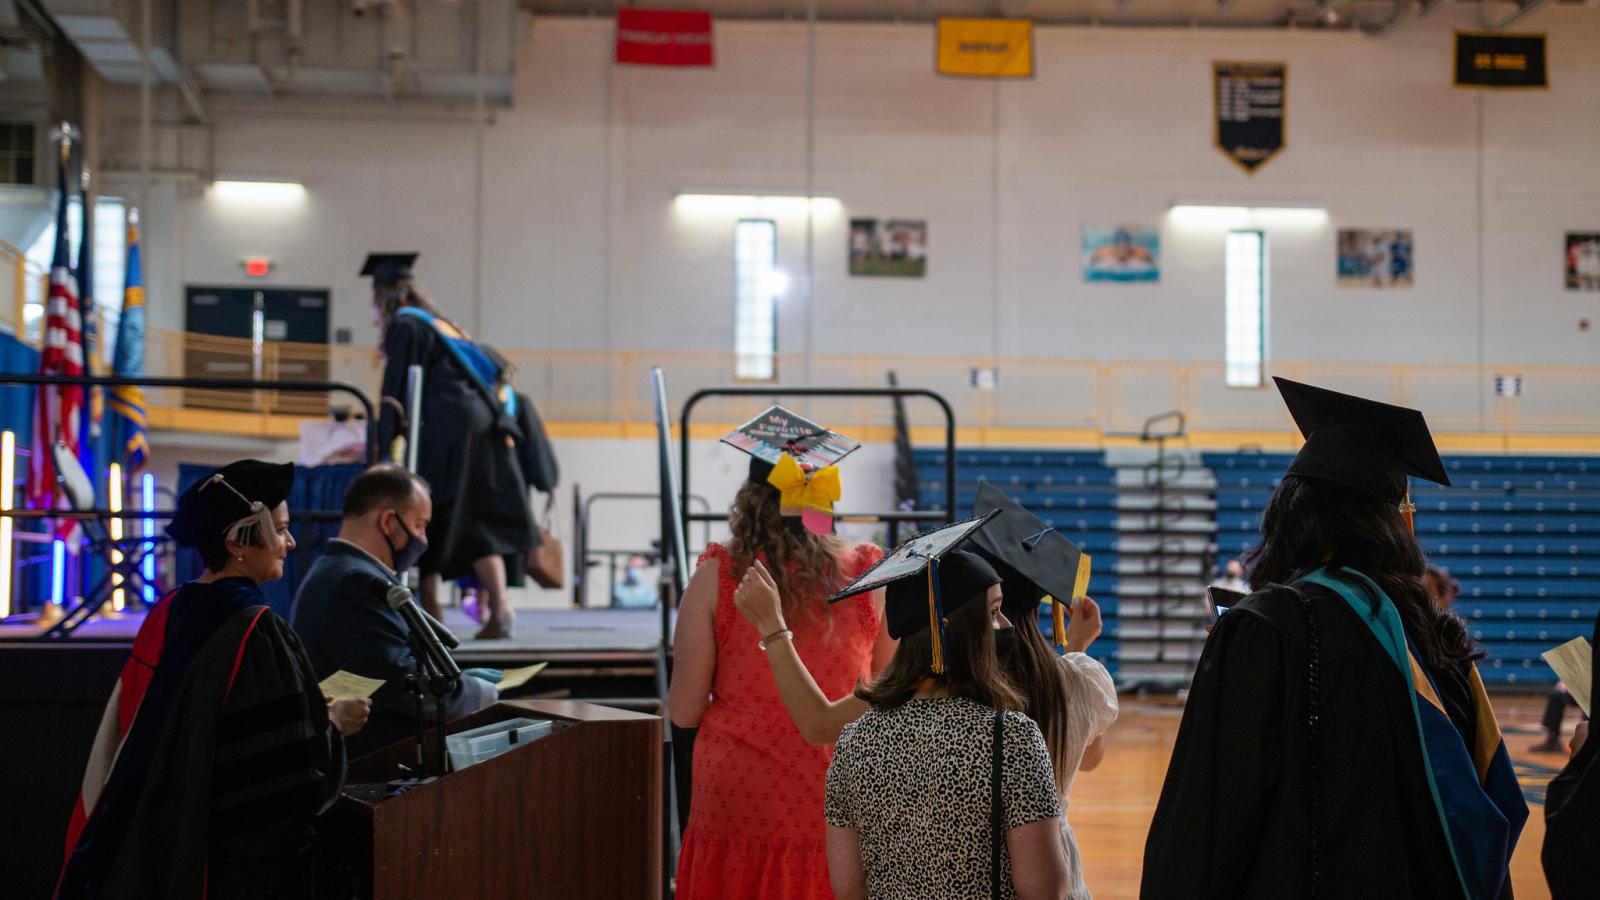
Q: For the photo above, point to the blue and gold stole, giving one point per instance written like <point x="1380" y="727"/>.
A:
<point x="1475" y="791"/>
<point x="480" y="367"/>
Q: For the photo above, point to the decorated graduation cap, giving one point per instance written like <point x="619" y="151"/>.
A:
<point x="1036" y="562"/>
<point x="927" y="578"/>
<point x="233" y="503"/>
<point x="388" y="268"/>
<point x="1362" y="444"/>
<point x="797" y="457"/>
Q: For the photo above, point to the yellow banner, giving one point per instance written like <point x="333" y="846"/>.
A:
<point x="986" y="48"/>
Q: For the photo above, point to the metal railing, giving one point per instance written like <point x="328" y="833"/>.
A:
<point x="1093" y="397"/>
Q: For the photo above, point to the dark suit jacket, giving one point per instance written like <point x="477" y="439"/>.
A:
<point x="345" y="626"/>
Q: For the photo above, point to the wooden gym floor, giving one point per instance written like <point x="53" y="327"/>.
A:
<point x="1111" y="806"/>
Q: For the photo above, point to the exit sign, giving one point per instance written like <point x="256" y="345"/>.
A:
<point x="257" y="266"/>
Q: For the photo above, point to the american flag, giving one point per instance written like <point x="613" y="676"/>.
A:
<point x="58" y="412"/>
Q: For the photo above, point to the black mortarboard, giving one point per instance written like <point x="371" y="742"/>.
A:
<point x="1362" y="444"/>
<point x="229" y="500"/>
<point x="1034" y="560"/>
<point x="388" y="268"/>
<point x="951" y="578"/>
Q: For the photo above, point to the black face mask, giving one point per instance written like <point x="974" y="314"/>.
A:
<point x="1006" y="644"/>
<point x="406" y="556"/>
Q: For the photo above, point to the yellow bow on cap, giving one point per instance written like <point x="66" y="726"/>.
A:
<point x="818" y="491"/>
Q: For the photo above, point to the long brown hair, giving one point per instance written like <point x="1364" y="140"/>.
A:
<point x="804" y="565"/>
<point x="1310" y="523"/>
<point x="1036" y="670"/>
<point x="389" y="298"/>
<point x="972" y="670"/>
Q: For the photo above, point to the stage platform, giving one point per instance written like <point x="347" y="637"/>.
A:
<point x="606" y="656"/>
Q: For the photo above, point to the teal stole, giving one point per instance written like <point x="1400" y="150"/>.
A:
<point x="1475" y="791"/>
<point x="482" y="369"/>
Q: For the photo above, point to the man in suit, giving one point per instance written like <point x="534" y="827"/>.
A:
<point x="343" y="619"/>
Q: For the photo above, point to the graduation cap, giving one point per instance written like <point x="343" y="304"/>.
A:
<point x="1035" y="561"/>
<point x="235" y="503"/>
<point x="1362" y="444"/>
<point x="951" y="577"/>
<point x="796" y="456"/>
<point x="388" y="268"/>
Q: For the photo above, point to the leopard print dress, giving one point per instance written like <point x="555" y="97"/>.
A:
<point x="914" y="782"/>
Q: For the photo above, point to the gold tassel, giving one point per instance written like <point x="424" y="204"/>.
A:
<point x="1408" y="512"/>
<point x="933" y="628"/>
<point x="1058" y="623"/>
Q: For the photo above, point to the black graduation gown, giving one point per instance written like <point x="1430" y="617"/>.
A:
<point x="1234" y="818"/>
<point x="1572" y="814"/>
<point x="466" y="453"/>
<point x="229" y="760"/>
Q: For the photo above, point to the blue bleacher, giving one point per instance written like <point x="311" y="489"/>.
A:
<point x="1521" y="534"/>
<point x="1071" y="490"/>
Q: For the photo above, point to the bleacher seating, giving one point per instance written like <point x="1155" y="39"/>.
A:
<point x="1521" y="534"/>
<point x="1073" y="491"/>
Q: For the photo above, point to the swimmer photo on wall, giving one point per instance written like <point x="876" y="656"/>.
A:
<point x="1121" y="253"/>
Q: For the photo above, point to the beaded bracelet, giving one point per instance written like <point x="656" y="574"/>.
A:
<point x="780" y="633"/>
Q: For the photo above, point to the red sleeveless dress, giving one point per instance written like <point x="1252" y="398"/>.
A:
<point x="755" y="819"/>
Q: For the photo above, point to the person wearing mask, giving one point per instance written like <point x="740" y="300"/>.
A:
<point x="635" y="591"/>
<point x="342" y="614"/>
<point x="943" y="788"/>
<point x="1232" y="580"/>
<point x="755" y="826"/>
<point x="1069" y="695"/>
<point x="468" y="447"/>
<point x="1337" y="741"/>
<point x="217" y="750"/>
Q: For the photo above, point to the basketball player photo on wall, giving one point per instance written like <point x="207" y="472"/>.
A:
<point x="1583" y="261"/>
<point x="1375" y="257"/>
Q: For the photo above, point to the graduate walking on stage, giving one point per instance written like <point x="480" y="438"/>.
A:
<point x="217" y="749"/>
<point x="1337" y="741"/>
<point x="468" y="451"/>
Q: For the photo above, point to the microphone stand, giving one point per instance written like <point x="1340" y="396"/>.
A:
<point x="440" y="686"/>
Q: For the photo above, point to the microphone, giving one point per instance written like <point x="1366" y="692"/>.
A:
<point x="424" y="629"/>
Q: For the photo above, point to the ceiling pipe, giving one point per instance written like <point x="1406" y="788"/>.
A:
<point x="1526" y="9"/>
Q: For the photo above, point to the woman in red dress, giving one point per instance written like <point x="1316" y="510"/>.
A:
<point x="756" y="827"/>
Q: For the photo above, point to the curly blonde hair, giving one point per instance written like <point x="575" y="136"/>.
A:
<point x="804" y="565"/>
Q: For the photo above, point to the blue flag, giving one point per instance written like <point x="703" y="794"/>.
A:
<point x="127" y="402"/>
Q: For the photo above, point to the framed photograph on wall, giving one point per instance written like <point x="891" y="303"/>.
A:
<point x="1583" y="261"/>
<point x="1375" y="257"/>
<point x="894" y="248"/>
<point x="1121" y="253"/>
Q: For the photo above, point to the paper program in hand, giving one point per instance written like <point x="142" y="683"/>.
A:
<point x="344" y="685"/>
<point x="1572" y="662"/>
<point x="511" y="679"/>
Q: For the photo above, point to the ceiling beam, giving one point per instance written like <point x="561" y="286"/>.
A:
<point x="1524" y="9"/>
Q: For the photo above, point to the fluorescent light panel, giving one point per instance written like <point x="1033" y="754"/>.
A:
<point x="114" y="480"/>
<point x="1201" y="214"/>
<point x="8" y="474"/>
<point x="755" y="204"/>
<point x="259" y="192"/>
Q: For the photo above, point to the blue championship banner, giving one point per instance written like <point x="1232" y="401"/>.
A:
<point x="1249" y="99"/>
<point x="1494" y="60"/>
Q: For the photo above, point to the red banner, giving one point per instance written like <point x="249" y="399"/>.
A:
<point x="663" y="37"/>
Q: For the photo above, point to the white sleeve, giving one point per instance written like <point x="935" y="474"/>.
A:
<point x="1091" y="695"/>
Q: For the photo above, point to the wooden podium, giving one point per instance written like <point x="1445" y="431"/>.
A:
<point x="574" y="814"/>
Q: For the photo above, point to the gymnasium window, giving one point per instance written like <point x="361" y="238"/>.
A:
<point x="755" y="326"/>
<point x="1245" y="308"/>
<point x="16" y="153"/>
